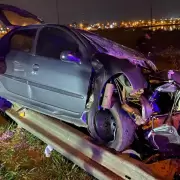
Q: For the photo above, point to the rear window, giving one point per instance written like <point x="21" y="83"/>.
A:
<point x="16" y="19"/>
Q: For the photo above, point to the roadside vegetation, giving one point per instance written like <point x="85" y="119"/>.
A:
<point x="22" y="158"/>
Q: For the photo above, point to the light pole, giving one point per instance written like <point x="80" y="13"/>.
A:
<point x="151" y="12"/>
<point x="57" y="11"/>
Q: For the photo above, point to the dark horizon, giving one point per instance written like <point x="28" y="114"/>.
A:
<point x="98" y="11"/>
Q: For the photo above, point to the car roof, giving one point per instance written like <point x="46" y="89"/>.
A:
<point x="36" y="26"/>
<point x="28" y="27"/>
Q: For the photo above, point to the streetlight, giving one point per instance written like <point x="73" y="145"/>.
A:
<point x="151" y="12"/>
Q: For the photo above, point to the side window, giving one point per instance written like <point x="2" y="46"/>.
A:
<point x="52" y="41"/>
<point x="23" y="40"/>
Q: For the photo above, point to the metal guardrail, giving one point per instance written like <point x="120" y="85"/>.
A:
<point x="76" y="146"/>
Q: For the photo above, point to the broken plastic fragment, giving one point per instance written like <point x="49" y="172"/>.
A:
<point x="6" y="136"/>
<point x="132" y="154"/>
<point x="48" y="150"/>
<point x="22" y="114"/>
<point x="170" y="73"/>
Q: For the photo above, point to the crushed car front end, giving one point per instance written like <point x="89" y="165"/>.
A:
<point x="150" y="97"/>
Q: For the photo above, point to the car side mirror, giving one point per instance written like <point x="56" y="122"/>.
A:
<point x="68" y="56"/>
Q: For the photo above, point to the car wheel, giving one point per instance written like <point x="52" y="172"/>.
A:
<point x="113" y="128"/>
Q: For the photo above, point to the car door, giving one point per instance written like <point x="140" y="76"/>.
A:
<point x="20" y="45"/>
<point x="61" y="84"/>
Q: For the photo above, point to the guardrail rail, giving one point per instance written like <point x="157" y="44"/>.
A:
<point x="78" y="147"/>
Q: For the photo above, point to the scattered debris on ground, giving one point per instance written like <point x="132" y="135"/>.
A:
<point x="22" y="158"/>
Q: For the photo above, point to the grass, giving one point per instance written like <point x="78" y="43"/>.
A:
<point x="22" y="158"/>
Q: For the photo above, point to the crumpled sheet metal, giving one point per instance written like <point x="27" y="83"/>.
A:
<point x="120" y="51"/>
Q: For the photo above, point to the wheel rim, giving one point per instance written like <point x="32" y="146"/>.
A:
<point x="105" y="125"/>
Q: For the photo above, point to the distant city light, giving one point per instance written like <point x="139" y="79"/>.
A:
<point x="81" y="25"/>
<point x="155" y="23"/>
<point x="167" y="24"/>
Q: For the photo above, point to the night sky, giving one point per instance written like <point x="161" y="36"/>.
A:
<point x="98" y="10"/>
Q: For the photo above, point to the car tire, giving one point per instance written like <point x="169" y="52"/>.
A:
<point x="125" y="127"/>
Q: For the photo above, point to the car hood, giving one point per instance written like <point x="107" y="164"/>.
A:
<point x="109" y="47"/>
<point x="12" y="16"/>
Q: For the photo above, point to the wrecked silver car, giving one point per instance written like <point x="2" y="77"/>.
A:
<point x="84" y="79"/>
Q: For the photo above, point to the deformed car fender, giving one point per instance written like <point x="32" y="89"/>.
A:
<point x="108" y="66"/>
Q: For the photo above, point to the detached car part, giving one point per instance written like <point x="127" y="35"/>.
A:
<point x="107" y="97"/>
<point x="164" y="135"/>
